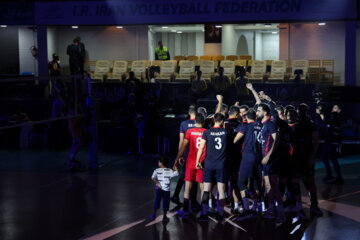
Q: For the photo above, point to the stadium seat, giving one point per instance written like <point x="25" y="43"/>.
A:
<point x="229" y="69"/>
<point x="139" y="68"/>
<point x="245" y="57"/>
<point x="217" y="59"/>
<point x="205" y="57"/>
<point x="258" y="70"/>
<point x="302" y="65"/>
<point x="326" y="65"/>
<point x="90" y="66"/>
<point x="119" y="68"/>
<point x="232" y="57"/>
<point x="278" y="70"/>
<point x="187" y="68"/>
<point x="192" y="58"/>
<point x="102" y="70"/>
<point x="314" y="70"/>
<point x="167" y="69"/>
<point x="178" y="58"/>
<point x="207" y="69"/>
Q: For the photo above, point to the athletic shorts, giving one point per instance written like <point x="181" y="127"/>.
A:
<point x="214" y="175"/>
<point x="248" y="165"/>
<point x="193" y="174"/>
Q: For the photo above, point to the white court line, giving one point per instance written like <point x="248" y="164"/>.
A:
<point x="159" y="219"/>
<point x="114" y="231"/>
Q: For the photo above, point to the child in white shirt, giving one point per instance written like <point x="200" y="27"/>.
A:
<point x="162" y="177"/>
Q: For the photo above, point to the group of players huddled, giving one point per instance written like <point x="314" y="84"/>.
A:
<point x="256" y="156"/>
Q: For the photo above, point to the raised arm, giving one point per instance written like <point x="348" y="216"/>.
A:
<point x="220" y="99"/>
<point x="255" y="94"/>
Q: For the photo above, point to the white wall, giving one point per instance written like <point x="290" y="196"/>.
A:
<point x="52" y="43"/>
<point x="258" y="46"/>
<point x="229" y="40"/>
<point x="129" y="43"/>
<point x="270" y="46"/>
<point x="152" y="45"/>
<point x="186" y="43"/>
<point x="200" y="41"/>
<point x="27" y="39"/>
<point x="310" y="41"/>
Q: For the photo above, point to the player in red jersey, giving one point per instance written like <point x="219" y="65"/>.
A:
<point x="192" y="174"/>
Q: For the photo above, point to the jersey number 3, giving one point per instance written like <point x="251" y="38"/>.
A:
<point x="218" y="143"/>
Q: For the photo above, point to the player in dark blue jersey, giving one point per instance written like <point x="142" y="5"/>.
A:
<point x="268" y="138"/>
<point x="233" y="160"/>
<point x="184" y="126"/>
<point x="215" y="140"/>
<point x="250" y="159"/>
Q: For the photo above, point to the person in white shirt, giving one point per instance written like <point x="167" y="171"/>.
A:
<point x="162" y="177"/>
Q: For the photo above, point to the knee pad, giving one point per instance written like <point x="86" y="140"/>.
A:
<point x="205" y="198"/>
<point x="296" y="188"/>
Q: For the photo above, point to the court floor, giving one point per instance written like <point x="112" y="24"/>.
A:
<point x="41" y="199"/>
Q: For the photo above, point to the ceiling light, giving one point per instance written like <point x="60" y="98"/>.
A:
<point x="173" y="30"/>
<point x="218" y="26"/>
<point x="164" y="27"/>
<point x="321" y="24"/>
<point x="267" y="25"/>
<point x="119" y="26"/>
<point x="179" y="32"/>
<point x="74" y="26"/>
<point x="203" y="30"/>
<point x="274" y="32"/>
<point x="3" y="26"/>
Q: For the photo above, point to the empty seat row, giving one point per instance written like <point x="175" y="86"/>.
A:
<point x="185" y="69"/>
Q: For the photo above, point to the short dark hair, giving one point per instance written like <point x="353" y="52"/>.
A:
<point x="265" y="108"/>
<point x="293" y="111"/>
<point x="251" y="114"/>
<point x="218" y="117"/>
<point x="164" y="160"/>
<point x="303" y="109"/>
<point x="192" y="109"/>
<point x="234" y="110"/>
<point x="244" y="107"/>
<point x="199" y="118"/>
<point x="131" y="74"/>
<point x="202" y="111"/>
<point x="280" y="108"/>
<point x="76" y="40"/>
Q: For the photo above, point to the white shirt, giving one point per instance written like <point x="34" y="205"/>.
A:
<point x="164" y="175"/>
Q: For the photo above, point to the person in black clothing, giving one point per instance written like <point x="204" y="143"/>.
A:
<point x="82" y="54"/>
<point x="232" y="163"/>
<point x="332" y="143"/>
<point x="74" y="57"/>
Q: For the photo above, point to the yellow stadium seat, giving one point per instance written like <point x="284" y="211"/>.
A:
<point x="258" y="70"/>
<point x="119" y="68"/>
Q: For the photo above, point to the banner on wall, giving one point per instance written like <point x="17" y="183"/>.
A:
<point x="16" y="13"/>
<point x="212" y="33"/>
<point x="191" y="11"/>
